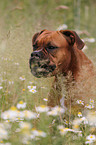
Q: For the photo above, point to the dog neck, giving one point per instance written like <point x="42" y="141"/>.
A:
<point x="72" y="68"/>
<point x="74" y="63"/>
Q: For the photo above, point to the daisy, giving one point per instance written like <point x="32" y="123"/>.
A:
<point x="91" y="137"/>
<point x="32" y="91"/>
<point x="5" y="125"/>
<point x="11" y="82"/>
<point x="10" y="114"/>
<point x="76" y="123"/>
<point x="80" y="102"/>
<point x="1" y="141"/>
<point x="1" y="87"/>
<point x="25" y="138"/>
<point x="56" y="111"/>
<point x="22" y="78"/>
<point x="31" y="82"/>
<point x="45" y="99"/>
<point x="91" y="101"/>
<point x="31" y="87"/>
<point x="60" y="126"/>
<point x="63" y="131"/>
<point x="25" y="125"/>
<point x="89" y="142"/>
<point x="16" y="63"/>
<point x="66" y="122"/>
<point x="32" y="136"/>
<point x="38" y="133"/>
<point x="21" y="105"/>
<point x="3" y="133"/>
<point x="79" y="114"/>
<point x="76" y="127"/>
<point x="29" y="114"/>
<point x="42" y="108"/>
<point x="62" y="27"/>
<point x="89" y="106"/>
<point x="84" y="120"/>
<point x="91" y="40"/>
<point x="52" y="113"/>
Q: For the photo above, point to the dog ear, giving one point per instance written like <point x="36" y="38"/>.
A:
<point x="72" y="37"/>
<point x="36" y="35"/>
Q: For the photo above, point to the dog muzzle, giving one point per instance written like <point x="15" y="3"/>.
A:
<point x="39" y="66"/>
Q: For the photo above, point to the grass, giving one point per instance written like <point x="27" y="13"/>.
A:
<point x="17" y="27"/>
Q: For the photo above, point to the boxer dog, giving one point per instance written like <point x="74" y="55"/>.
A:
<point x="59" y="54"/>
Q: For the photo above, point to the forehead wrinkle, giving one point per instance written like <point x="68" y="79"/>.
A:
<point x="58" y="39"/>
<point x="55" y="38"/>
<point x="49" y="37"/>
<point x="45" y="40"/>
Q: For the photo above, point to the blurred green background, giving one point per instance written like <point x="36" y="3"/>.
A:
<point x="30" y="16"/>
<point x="79" y="14"/>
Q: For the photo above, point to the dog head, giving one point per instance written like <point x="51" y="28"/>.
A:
<point x="52" y="52"/>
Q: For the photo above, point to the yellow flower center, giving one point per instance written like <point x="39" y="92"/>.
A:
<point x="62" y="130"/>
<point x="79" y="113"/>
<point x="76" y="126"/>
<point x="45" y="98"/>
<point x="87" y="105"/>
<point x="33" y="90"/>
<point x="13" y="108"/>
<point x="21" y="102"/>
<point x="33" y="129"/>
<point x="58" y="109"/>
<point x="31" y="87"/>
<point x="18" y="118"/>
<point x="40" y="132"/>
<point x="42" y="106"/>
<point x="67" y="122"/>
<point x="66" y="128"/>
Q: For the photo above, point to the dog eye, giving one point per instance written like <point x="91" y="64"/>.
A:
<point x="34" y="47"/>
<point x="52" y="47"/>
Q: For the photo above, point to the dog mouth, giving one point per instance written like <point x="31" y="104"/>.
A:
<point x="41" y="68"/>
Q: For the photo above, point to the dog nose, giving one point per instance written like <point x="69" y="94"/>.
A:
<point x="35" y="54"/>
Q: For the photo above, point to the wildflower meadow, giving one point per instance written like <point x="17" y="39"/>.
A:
<point x="25" y="118"/>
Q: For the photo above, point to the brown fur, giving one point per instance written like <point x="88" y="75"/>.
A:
<point x="73" y="67"/>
